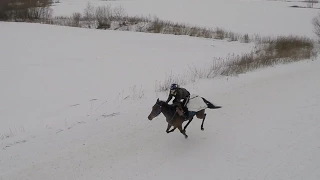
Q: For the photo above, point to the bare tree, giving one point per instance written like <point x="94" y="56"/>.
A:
<point x="4" y="9"/>
<point x="118" y="13"/>
<point x="310" y="3"/>
<point x="103" y="16"/>
<point x="316" y="25"/>
<point x="89" y="15"/>
<point x="76" y="17"/>
<point x="21" y="10"/>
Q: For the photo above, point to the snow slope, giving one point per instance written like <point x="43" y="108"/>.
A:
<point x="261" y="17"/>
<point x="58" y="68"/>
<point x="68" y="110"/>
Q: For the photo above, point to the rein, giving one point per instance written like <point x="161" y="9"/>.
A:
<point x="173" y="113"/>
<point x="159" y="109"/>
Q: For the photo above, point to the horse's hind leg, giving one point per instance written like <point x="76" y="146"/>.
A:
<point x="203" y="121"/>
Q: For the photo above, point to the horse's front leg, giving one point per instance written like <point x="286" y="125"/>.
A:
<point x="168" y="127"/>
<point x="185" y="127"/>
<point x="182" y="131"/>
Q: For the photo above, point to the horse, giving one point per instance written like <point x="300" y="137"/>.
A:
<point x="174" y="119"/>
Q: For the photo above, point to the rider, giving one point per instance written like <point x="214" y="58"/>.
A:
<point x="179" y="94"/>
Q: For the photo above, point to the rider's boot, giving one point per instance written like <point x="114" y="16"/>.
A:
<point x="185" y="114"/>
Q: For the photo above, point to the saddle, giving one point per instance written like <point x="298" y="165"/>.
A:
<point x="182" y="111"/>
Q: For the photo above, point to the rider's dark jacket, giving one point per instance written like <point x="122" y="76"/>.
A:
<point x="179" y="94"/>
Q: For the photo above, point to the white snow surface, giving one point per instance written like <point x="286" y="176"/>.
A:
<point x="49" y="71"/>
<point x="67" y="110"/>
<point x="263" y="17"/>
<point x="74" y="102"/>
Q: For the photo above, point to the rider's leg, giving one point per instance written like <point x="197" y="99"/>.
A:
<point x="185" y="108"/>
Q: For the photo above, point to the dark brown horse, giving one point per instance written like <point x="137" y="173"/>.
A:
<point x="174" y="119"/>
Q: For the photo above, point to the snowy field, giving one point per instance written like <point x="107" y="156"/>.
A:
<point x="240" y="16"/>
<point x="74" y="102"/>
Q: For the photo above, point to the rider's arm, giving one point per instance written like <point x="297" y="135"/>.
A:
<point x="178" y="97"/>
<point x="169" y="98"/>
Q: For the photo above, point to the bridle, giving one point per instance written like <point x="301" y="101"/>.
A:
<point x="159" y="111"/>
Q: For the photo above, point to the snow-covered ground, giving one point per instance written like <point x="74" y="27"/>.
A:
<point x="51" y="69"/>
<point x="66" y="98"/>
<point x="261" y="17"/>
<point x="74" y="102"/>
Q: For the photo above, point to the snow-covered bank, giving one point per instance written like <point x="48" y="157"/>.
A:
<point x="46" y="71"/>
<point x="254" y="17"/>
<point x="70" y="90"/>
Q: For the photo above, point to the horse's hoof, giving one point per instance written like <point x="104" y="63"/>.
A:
<point x="186" y="136"/>
<point x="202" y="129"/>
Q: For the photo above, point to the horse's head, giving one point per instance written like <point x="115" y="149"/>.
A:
<point x="156" y="110"/>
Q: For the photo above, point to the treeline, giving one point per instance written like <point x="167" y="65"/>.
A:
<point x="24" y="10"/>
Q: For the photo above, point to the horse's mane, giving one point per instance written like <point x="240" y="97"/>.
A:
<point x="163" y="103"/>
<point x="170" y="108"/>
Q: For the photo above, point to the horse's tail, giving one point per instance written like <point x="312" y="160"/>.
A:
<point x="210" y="105"/>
